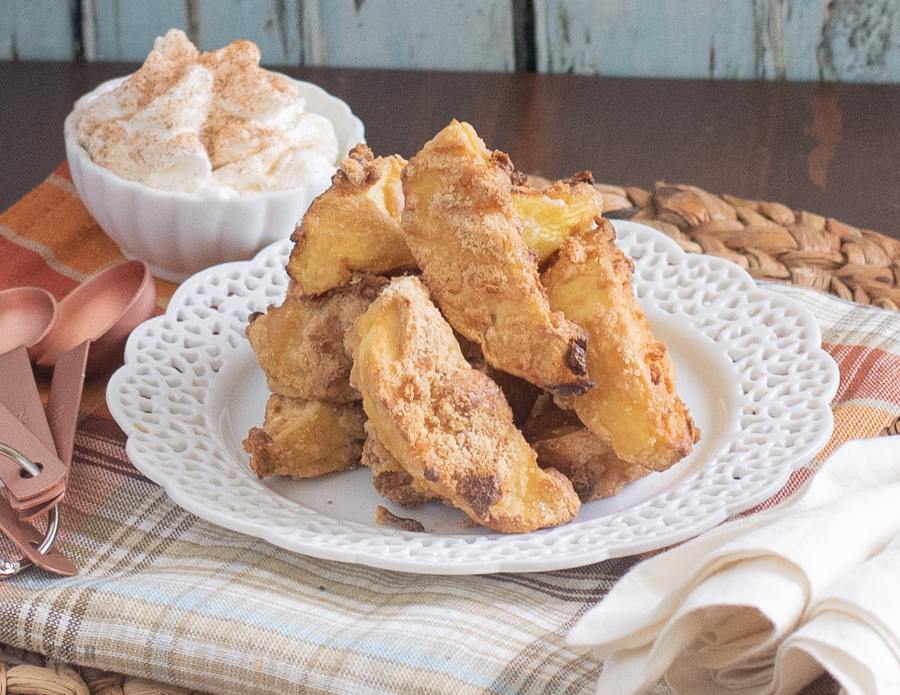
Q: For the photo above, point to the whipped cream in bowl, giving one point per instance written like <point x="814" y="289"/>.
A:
<point x="202" y="158"/>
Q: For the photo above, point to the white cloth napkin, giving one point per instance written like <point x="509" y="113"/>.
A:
<point x="763" y="604"/>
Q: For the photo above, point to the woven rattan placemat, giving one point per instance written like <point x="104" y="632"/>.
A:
<point x="768" y="239"/>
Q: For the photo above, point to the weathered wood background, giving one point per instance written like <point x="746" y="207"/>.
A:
<point x="808" y="40"/>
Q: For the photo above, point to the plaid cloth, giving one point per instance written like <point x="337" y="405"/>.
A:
<point x="163" y="595"/>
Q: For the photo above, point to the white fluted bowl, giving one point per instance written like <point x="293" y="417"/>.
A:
<point x="178" y="234"/>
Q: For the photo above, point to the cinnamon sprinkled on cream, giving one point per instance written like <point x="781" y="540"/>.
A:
<point x="191" y="121"/>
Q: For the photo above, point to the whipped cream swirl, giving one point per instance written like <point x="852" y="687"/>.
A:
<point x="207" y="122"/>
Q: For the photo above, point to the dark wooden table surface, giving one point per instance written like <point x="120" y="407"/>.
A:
<point x="826" y="148"/>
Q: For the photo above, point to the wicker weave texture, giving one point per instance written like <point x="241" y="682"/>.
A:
<point x="769" y="240"/>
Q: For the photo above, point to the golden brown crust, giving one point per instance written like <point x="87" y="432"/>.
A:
<point x="447" y="395"/>
<point x="300" y="344"/>
<point x="461" y="226"/>
<point x="446" y="424"/>
<point x="353" y="227"/>
<point x="305" y="439"/>
<point x="383" y="515"/>
<point x="520" y="394"/>
<point x="635" y="406"/>
<point x="389" y="478"/>
<point x="561" y="441"/>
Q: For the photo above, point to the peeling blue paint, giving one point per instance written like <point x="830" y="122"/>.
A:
<point x="831" y="40"/>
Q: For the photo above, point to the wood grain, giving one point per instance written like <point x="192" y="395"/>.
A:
<point x="752" y="139"/>
<point x="798" y="40"/>
<point x="449" y="35"/>
<point x="459" y="35"/>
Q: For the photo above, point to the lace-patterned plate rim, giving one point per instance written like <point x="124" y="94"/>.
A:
<point x="750" y="366"/>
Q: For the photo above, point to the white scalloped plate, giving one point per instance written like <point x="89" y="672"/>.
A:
<point x="749" y="364"/>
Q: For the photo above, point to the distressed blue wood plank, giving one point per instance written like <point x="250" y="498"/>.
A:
<point x="273" y="25"/>
<point x="841" y="40"/>
<point x="675" y="38"/>
<point x="35" y="30"/>
<point x="458" y="35"/>
<point x="861" y="41"/>
<point x="796" y="40"/>
<point x="125" y="29"/>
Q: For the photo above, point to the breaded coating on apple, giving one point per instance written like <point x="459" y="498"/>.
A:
<point x="353" y="227"/>
<point x="520" y="394"/>
<point x="389" y="478"/>
<point x="383" y="515"/>
<point x="300" y="344"/>
<point x="448" y="425"/>
<point x="306" y="439"/>
<point x="561" y="441"/>
<point x="460" y="223"/>
<point x="634" y="406"/>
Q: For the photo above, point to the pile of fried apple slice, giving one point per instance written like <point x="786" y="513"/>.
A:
<point x="469" y="338"/>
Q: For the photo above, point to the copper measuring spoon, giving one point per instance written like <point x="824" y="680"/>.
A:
<point x="104" y="309"/>
<point x="27" y="317"/>
<point x="84" y="334"/>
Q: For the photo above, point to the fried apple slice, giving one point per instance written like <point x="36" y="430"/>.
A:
<point x="561" y="441"/>
<point x="551" y="214"/>
<point x="447" y="424"/>
<point x="306" y="439"/>
<point x="635" y="406"/>
<point x="460" y="223"/>
<point x="353" y="227"/>
<point x="300" y="344"/>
